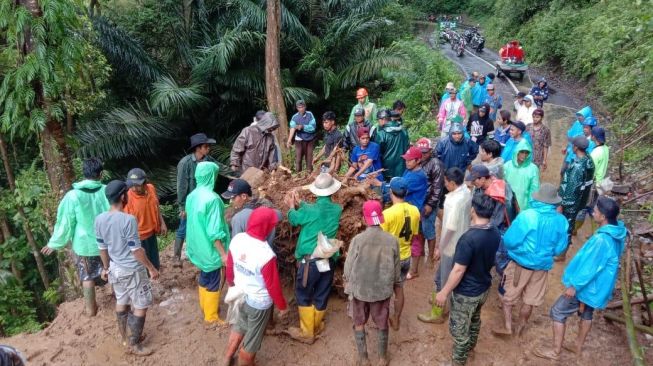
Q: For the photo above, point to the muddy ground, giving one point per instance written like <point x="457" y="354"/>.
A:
<point x="175" y="331"/>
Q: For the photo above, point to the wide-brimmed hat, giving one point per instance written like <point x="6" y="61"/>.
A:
<point x="548" y="193"/>
<point x="324" y="185"/>
<point x="199" y="139"/>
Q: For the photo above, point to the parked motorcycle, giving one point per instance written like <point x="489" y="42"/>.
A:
<point x="474" y="39"/>
<point x="458" y="45"/>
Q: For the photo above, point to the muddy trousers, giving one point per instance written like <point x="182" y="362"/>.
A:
<point x="304" y="151"/>
<point x="465" y="324"/>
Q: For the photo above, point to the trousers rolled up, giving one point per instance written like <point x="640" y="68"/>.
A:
<point x="318" y="285"/>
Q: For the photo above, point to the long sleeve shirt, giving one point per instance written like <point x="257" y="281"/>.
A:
<point x="186" y="176"/>
<point x="321" y="216"/>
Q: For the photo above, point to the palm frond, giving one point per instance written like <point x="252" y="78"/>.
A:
<point x="167" y="97"/>
<point x="217" y="58"/>
<point x="371" y="65"/>
<point x="124" y="133"/>
<point x="291" y="94"/>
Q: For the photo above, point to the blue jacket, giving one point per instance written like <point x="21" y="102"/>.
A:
<point x="478" y="94"/>
<point x="540" y="92"/>
<point x="456" y="154"/>
<point x="536" y="236"/>
<point x="510" y="145"/>
<point x="593" y="270"/>
<point x="576" y="130"/>
<point x="418" y="184"/>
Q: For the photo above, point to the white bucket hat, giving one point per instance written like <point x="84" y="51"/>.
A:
<point x="324" y="185"/>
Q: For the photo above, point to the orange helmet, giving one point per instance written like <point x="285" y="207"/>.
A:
<point x="361" y="93"/>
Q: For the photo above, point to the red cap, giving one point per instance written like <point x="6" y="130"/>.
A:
<point x="412" y="153"/>
<point x="363" y="131"/>
<point x="373" y="213"/>
<point x="424" y="144"/>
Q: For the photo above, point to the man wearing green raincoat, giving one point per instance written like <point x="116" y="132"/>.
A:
<point x="76" y="223"/>
<point x="363" y="102"/>
<point x="393" y="140"/>
<point x="575" y="187"/>
<point x="207" y="237"/>
<point x="466" y="95"/>
<point x="522" y="174"/>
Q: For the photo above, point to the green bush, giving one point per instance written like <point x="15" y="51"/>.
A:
<point x="17" y="314"/>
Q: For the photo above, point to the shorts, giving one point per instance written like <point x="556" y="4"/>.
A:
<point x="380" y="310"/>
<point x="251" y="324"/>
<point x="89" y="268"/>
<point x="427" y="225"/>
<point x="132" y="287"/>
<point x="565" y="307"/>
<point x="405" y="267"/>
<point x="530" y="287"/>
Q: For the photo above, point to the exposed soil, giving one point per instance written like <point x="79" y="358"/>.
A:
<point x="175" y="329"/>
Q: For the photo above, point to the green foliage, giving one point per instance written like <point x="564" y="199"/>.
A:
<point x="16" y="313"/>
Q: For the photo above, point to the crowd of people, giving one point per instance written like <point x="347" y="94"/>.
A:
<point x="480" y="179"/>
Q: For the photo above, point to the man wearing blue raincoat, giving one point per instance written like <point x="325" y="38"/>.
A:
<point x="589" y="278"/>
<point x="576" y="129"/>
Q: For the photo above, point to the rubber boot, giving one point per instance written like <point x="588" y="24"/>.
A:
<point x="122" y="317"/>
<point x="232" y="346"/>
<point x="176" y="259"/>
<point x="383" y="347"/>
<point x="211" y="307"/>
<point x="319" y="320"/>
<point x="90" y="305"/>
<point x="245" y="358"/>
<point x="200" y="292"/>
<point x="136" y="324"/>
<point x="306" y="332"/>
<point x="435" y="315"/>
<point x="361" y="346"/>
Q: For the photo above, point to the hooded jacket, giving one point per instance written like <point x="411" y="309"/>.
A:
<point x="536" y="236"/>
<point x="456" y="154"/>
<point x="76" y="218"/>
<point x="350" y="139"/>
<point x="505" y="203"/>
<point x="524" y="178"/>
<point x="593" y="270"/>
<point x="543" y="92"/>
<point x="393" y="141"/>
<point x="205" y="220"/>
<point x="466" y="94"/>
<point x="479" y="93"/>
<point x="369" y="107"/>
<point x="255" y="146"/>
<point x="510" y="147"/>
<point x="480" y="128"/>
<point x="577" y="183"/>
<point x="576" y="130"/>
<point x="448" y="111"/>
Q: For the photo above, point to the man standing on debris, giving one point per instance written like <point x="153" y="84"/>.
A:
<point x="208" y="240"/>
<point x="333" y="139"/>
<point x="372" y="271"/>
<point x="541" y="136"/>
<point x="143" y="204"/>
<point x="470" y="279"/>
<point x="75" y="217"/>
<point x="302" y="128"/>
<point x="589" y="278"/>
<point x="575" y="187"/>
<point x="314" y="275"/>
<point x="534" y="238"/>
<point x="255" y="146"/>
<point x="351" y="131"/>
<point x="393" y="140"/>
<point x="252" y="266"/>
<point x="124" y="264"/>
<point x="368" y="107"/>
<point x="455" y="222"/>
<point x="200" y="146"/>
<point x="402" y="222"/>
<point x="522" y="175"/>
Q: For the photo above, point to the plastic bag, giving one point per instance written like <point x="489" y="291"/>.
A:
<point x="234" y="298"/>
<point x="326" y="247"/>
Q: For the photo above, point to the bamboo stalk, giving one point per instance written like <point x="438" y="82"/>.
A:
<point x="635" y="349"/>
<point x="638" y="327"/>
<point x="640" y="277"/>
<point x="620" y="303"/>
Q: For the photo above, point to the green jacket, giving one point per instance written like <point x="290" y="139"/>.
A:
<point x="323" y="215"/>
<point x="370" y="110"/>
<point x="394" y="142"/>
<point x="76" y="218"/>
<point x="186" y="176"/>
<point x="576" y="184"/>
<point x="524" y="178"/>
<point x="205" y="220"/>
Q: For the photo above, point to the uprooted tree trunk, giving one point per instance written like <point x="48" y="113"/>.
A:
<point x="273" y="87"/>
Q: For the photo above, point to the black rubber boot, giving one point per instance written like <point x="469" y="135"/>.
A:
<point x="136" y="324"/>
<point x="383" y="347"/>
<point x="361" y="345"/>
<point x="176" y="260"/>
<point x="122" y="317"/>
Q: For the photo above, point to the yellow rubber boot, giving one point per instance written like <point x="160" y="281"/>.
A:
<point x="201" y="291"/>
<point x="211" y="307"/>
<point x="319" y="320"/>
<point x="306" y="331"/>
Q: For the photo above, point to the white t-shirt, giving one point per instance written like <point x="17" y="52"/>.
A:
<point x="456" y="216"/>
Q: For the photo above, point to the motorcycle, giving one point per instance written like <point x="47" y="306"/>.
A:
<point x="474" y="39"/>
<point x="458" y="45"/>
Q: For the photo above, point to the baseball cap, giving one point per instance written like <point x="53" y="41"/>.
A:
<point x="115" y="189"/>
<point x="300" y="102"/>
<point x="599" y="134"/>
<point x="424" y="144"/>
<point x="478" y="171"/>
<point x="359" y="112"/>
<point x="373" y="213"/>
<point x="580" y="142"/>
<point x="398" y="185"/>
<point x="236" y="187"/>
<point x="412" y="153"/>
<point x="135" y="177"/>
<point x="363" y="131"/>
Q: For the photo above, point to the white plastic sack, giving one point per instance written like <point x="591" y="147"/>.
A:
<point x="605" y="186"/>
<point x="326" y="247"/>
<point x="234" y="298"/>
